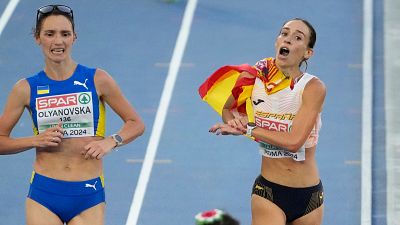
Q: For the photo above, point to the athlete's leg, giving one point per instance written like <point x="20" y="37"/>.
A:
<point x="265" y="212"/>
<point x="91" y="216"/>
<point x="312" y="218"/>
<point x="37" y="214"/>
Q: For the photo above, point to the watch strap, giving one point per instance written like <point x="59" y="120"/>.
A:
<point x="250" y="128"/>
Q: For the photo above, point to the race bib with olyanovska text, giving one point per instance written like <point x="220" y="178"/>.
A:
<point x="73" y="110"/>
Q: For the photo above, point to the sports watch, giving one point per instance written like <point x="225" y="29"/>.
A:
<point x="250" y="128"/>
<point x="118" y="139"/>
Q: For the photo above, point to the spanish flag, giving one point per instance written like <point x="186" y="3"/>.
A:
<point x="225" y="82"/>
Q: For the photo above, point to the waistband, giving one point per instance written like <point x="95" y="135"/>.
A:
<point x="273" y="185"/>
<point x="55" y="186"/>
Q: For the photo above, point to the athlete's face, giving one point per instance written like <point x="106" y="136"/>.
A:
<point x="291" y="45"/>
<point x="56" y="38"/>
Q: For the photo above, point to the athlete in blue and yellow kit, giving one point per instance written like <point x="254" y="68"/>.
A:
<point x="66" y="101"/>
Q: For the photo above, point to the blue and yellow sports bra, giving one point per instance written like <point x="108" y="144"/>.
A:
<point x="73" y="102"/>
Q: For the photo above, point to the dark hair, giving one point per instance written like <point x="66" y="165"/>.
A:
<point x="311" y="41"/>
<point x="55" y="12"/>
<point x="226" y="220"/>
<point x="313" y="34"/>
<point x="229" y="220"/>
<point x="223" y="219"/>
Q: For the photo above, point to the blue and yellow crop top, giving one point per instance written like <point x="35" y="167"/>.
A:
<point x="73" y="102"/>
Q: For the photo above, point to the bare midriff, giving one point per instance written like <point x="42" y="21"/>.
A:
<point x="66" y="161"/>
<point x="291" y="173"/>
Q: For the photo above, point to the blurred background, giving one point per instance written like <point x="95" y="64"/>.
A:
<point x="193" y="171"/>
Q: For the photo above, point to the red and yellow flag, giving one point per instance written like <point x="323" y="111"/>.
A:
<point x="225" y="82"/>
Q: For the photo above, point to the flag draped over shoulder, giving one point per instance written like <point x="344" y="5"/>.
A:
<point x="225" y="82"/>
<point x="222" y="83"/>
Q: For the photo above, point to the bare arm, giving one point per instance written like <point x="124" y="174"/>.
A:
<point x="14" y="107"/>
<point x="227" y="115"/>
<point x="312" y="102"/>
<point x="133" y="126"/>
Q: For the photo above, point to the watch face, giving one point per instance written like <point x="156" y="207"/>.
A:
<point x="118" y="138"/>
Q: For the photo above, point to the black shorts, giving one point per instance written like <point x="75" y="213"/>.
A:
<point x="295" y="202"/>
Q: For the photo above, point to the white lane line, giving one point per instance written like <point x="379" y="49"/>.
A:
<point x="366" y="144"/>
<point x="156" y="161"/>
<point x="161" y="64"/>
<point x="12" y="4"/>
<point x="392" y="110"/>
<point x="161" y="113"/>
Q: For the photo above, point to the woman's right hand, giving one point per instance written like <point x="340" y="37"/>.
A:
<point x="51" y="137"/>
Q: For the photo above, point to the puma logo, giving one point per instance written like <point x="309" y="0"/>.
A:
<point x="81" y="84"/>
<point x="258" y="101"/>
<point x="259" y="187"/>
<point x="92" y="185"/>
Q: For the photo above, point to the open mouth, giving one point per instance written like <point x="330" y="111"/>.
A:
<point x="284" y="51"/>
<point x="57" y="50"/>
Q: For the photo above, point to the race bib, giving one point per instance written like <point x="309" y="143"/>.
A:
<point x="74" y="111"/>
<point x="272" y="151"/>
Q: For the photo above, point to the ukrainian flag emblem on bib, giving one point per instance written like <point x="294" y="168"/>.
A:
<point x="41" y="90"/>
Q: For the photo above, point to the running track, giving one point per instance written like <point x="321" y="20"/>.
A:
<point x="135" y="41"/>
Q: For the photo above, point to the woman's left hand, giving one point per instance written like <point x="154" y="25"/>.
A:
<point x="98" y="149"/>
<point x="226" y="129"/>
<point x="238" y="123"/>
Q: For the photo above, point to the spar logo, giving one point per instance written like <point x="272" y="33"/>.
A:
<point x="57" y="101"/>
<point x="84" y="98"/>
<point x="62" y="101"/>
<point x="272" y="125"/>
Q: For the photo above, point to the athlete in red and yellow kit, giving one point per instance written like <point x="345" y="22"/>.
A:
<point x="286" y="106"/>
